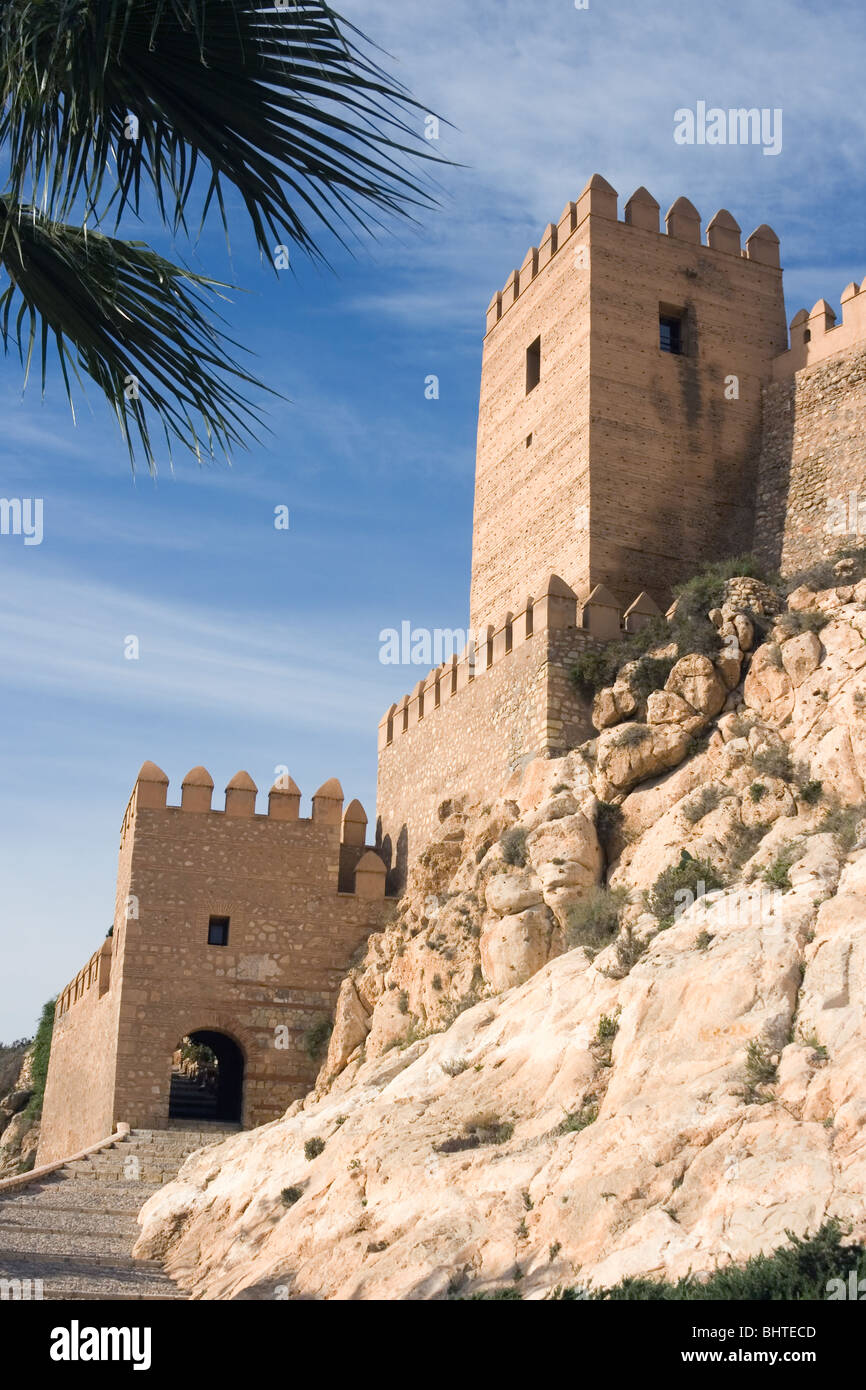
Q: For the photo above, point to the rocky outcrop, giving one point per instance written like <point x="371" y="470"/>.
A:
<point x="19" y="1132"/>
<point x="506" y="1098"/>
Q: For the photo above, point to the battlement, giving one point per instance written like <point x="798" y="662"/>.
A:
<point x="815" y="334"/>
<point x="95" y="975"/>
<point x="555" y="608"/>
<point x="599" y="199"/>
<point x="150" y="793"/>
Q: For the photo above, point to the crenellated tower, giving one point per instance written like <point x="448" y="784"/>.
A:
<point x="620" y="410"/>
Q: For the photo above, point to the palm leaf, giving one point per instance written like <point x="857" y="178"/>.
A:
<point x="133" y="322"/>
<point x="282" y="102"/>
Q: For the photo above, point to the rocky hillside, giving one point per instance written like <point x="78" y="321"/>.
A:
<point x="617" y="1023"/>
<point x="19" y="1132"/>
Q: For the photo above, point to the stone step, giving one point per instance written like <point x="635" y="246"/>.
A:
<point x="103" y="1249"/>
<point x="75" y="1230"/>
<point x="55" y="1221"/>
<point x="82" y="1195"/>
<point x="82" y="1279"/>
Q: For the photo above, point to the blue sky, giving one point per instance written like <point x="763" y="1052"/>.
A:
<point x="259" y="647"/>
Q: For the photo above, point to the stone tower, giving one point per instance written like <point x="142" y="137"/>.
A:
<point x="614" y="448"/>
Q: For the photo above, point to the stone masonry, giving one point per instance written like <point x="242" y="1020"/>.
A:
<point x="811" y="498"/>
<point x="300" y="896"/>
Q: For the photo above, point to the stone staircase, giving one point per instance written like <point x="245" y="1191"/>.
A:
<point x="74" y="1231"/>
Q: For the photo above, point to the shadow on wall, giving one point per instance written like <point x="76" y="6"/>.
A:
<point x="774" y="476"/>
<point x="396" y="859"/>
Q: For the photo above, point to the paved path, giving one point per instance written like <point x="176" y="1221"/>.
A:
<point x="74" y="1231"/>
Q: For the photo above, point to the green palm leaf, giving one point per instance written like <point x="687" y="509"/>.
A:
<point x="133" y="322"/>
<point x="273" y="100"/>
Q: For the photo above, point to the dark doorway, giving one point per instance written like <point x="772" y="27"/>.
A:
<point x="207" y="1079"/>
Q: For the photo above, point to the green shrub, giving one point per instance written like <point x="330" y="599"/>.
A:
<point x="594" y="921"/>
<point x="607" y="1029"/>
<point x="842" y="823"/>
<point x="703" y="940"/>
<point x="593" y="670"/>
<point x="760" y="1067"/>
<point x="690" y="630"/>
<point x="629" y="949"/>
<point x="705" y="801"/>
<point x="812" y="791"/>
<point x="41" y="1054"/>
<point x="774" y="762"/>
<point x="803" y="1270"/>
<point x="757" y="790"/>
<point x="483" y="1129"/>
<point x="777" y="874"/>
<point x="580" y="1119"/>
<point x="792" y="624"/>
<point x="316" y="1039"/>
<point x="650" y="674"/>
<point x="313" y="1148"/>
<point x="290" y="1195"/>
<point x="678" y="886"/>
<point x="513" y="846"/>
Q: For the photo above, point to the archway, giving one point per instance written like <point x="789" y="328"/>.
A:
<point x="207" y="1079"/>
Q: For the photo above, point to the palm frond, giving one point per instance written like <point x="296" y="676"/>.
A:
<point x="133" y="322"/>
<point x="281" y="101"/>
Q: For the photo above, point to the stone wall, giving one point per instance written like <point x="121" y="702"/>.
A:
<point x="625" y="465"/>
<point x="464" y="729"/>
<point x="811" y="496"/>
<point x="292" y="934"/>
<point x="78" y="1106"/>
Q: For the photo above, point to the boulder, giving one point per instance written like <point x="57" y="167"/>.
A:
<point x="768" y="688"/>
<point x="801" y="656"/>
<point x="697" y="681"/>
<point x="508" y="893"/>
<point x="626" y="757"/>
<point x="515" y="948"/>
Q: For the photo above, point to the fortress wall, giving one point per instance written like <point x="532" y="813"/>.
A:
<point x="79" y="1107"/>
<point x="811" y="498"/>
<point x="291" y="937"/>
<point x="489" y="720"/>
<point x="674" y="444"/>
<point x="531" y="512"/>
<point x="292" y="933"/>
<point x="625" y="465"/>
<point x="79" y="1089"/>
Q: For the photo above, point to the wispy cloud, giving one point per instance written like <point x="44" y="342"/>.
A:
<point x="63" y="636"/>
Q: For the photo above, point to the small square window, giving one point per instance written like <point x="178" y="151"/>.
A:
<point x="671" y="333"/>
<point x="218" y="931"/>
<point x="533" y="365"/>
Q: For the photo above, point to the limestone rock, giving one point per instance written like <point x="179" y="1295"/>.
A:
<point x="697" y="681"/>
<point x="351" y="1025"/>
<point x="801" y="656"/>
<point x="626" y="757"/>
<point x="768" y="688"/>
<point x="515" y="948"/>
<point x="508" y="893"/>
